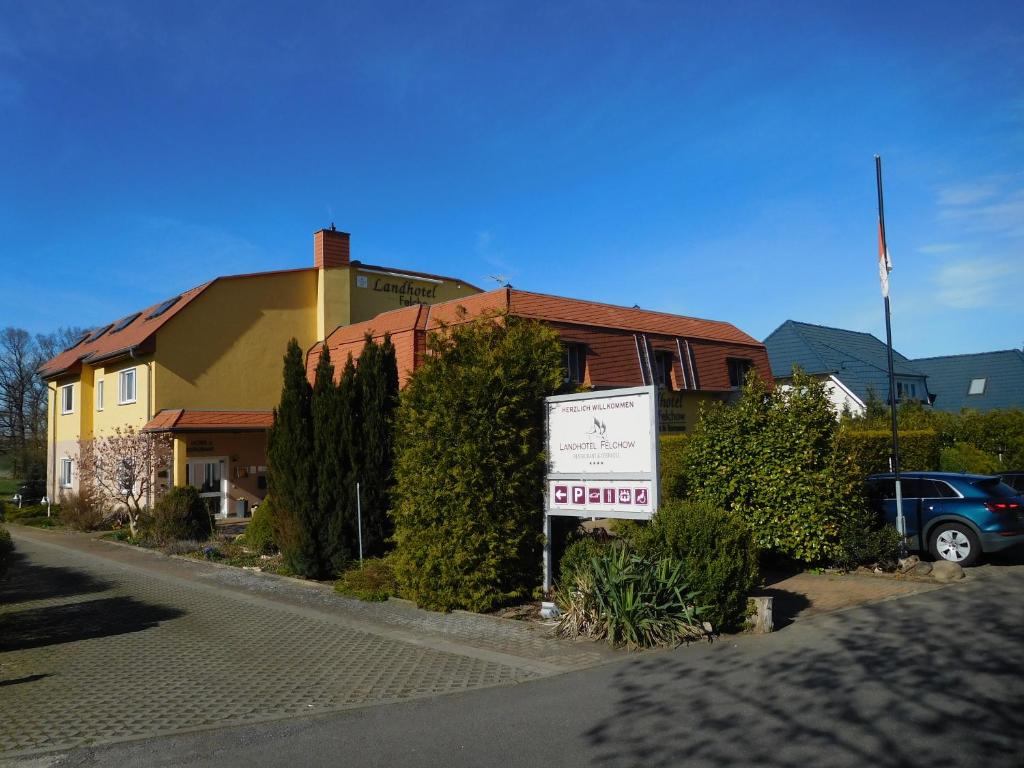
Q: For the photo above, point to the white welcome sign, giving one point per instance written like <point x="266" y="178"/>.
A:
<point x="600" y="433"/>
<point x="602" y="457"/>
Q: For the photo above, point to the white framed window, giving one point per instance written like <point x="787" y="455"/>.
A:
<point x="126" y="387"/>
<point x="67" y="398"/>
<point x="99" y="395"/>
<point x="65" y="473"/>
<point x="977" y="387"/>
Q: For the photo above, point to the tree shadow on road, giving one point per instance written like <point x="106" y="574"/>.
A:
<point x="56" y="624"/>
<point x="888" y="684"/>
<point x="27" y="582"/>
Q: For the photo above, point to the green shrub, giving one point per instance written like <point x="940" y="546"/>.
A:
<point x="470" y="465"/>
<point x="631" y="600"/>
<point x="772" y="458"/>
<point x="16" y="514"/>
<point x="870" y="450"/>
<point x="871" y="545"/>
<point x="80" y="511"/>
<point x="259" y="534"/>
<point x="181" y="514"/>
<point x="964" y="457"/>
<point x="718" y="553"/>
<point x="374" y="582"/>
<point x="672" y="456"/>
<point x="577" y="557"/>
<point x="6" y="550"/>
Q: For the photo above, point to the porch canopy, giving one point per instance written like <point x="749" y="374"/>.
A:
<point x="222" y="453"/>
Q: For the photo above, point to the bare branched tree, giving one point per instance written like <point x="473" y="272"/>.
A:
<point x="122" y="468"/>
<point x="23" y="394"/>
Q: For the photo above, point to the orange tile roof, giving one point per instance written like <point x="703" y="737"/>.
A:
<point x="135" y="334"/>
<point x="578" y="312"/>
<point x="540" y="306"/>
<point x="181" y="420"/>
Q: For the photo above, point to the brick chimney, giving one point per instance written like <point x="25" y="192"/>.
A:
<point x="330" y="248"/>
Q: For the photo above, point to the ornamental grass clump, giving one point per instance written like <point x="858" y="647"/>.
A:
<point x="632" y="600"/>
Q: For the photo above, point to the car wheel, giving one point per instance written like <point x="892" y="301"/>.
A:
<point x="955" y="543"/>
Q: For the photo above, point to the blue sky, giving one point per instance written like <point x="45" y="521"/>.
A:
<point x="713" y="160"/>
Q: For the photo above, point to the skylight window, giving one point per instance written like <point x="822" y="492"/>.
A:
<point x="96" y="334"/>
<point x="80" y="339"/>
<point x="121" y="324"/>
<point x="163" y="308"/>
<point x="977" y="387"/>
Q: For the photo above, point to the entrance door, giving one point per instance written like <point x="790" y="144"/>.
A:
<point x="210" y="478"/>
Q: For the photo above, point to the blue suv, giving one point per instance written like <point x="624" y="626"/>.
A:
<point x="952" y="516"/>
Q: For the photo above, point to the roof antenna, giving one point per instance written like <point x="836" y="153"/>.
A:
<point x="332" y="227"/>
<point x="501" y="280"/>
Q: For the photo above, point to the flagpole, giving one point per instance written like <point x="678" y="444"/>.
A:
<point x="884" y="267"/>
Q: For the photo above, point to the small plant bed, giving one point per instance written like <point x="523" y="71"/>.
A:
<point x="229" y="553"/>
<point x="373" y="581"/>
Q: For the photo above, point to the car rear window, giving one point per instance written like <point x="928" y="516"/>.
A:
<point x="995" y="487"/>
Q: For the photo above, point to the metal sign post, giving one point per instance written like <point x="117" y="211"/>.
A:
<point x="602" y="458"/>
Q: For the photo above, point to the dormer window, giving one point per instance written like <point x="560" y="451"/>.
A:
<point x="738" y="368"/>
<point x="663" y="368"/>
<point x="574" y="363"/>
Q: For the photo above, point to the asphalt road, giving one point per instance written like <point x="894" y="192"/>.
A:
<point x="931" y="679"/>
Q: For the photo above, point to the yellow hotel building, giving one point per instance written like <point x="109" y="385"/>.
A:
<point x="205" y="366"/>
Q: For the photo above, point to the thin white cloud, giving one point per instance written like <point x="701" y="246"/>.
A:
<point x="968" y="193"/>
<point x="977" y="283"/>
<point x="994" y="205"/>
<point x="939" y="248"/>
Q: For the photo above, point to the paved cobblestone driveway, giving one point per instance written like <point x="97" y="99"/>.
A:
<point x="100" y="643"/>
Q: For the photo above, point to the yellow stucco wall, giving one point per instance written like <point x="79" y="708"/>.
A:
<point x="115" y="413"/>
<point x="224" y="351"/>
<point x="376" y="291"/>
<point x="333" y="300"/>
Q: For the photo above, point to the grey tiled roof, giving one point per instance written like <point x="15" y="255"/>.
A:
<point x="949" y="378"/>
<point x="858" y="360"/>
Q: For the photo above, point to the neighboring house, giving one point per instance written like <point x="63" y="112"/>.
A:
<point x="205" y="366"/>
<point x="605" y="345"/>
<point x="852" y="364"/>
<point x="980" y="382"/>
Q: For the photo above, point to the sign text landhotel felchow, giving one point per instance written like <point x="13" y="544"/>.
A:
<point x="600" y="435"/>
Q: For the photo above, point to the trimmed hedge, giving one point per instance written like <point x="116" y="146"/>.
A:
<point x="672" y="478"/>
<point x="772" y="458"/>
<point x="181" y="514"/>
<point x="870" y="449"/>
<point x="719" y="556"/>
<point x="964" y="457"/>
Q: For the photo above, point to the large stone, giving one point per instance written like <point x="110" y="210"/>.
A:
<point x="921" y="569"/>
<point x="943" y="570"/>
<point x="907" y="564"/>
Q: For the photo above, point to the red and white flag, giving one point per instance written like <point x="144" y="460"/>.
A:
<point x="884" y="262"/>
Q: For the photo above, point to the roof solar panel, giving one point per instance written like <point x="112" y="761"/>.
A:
<point x="123" y="322"/>
<point x="163" y="308"/>
<point x="99" y="332"/>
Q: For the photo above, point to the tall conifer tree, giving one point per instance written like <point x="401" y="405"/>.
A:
<point x="342" y="534"/>
<point x="330" y="460"/>
<point x="377" y="391"/>
<point x="292" y="472"/>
